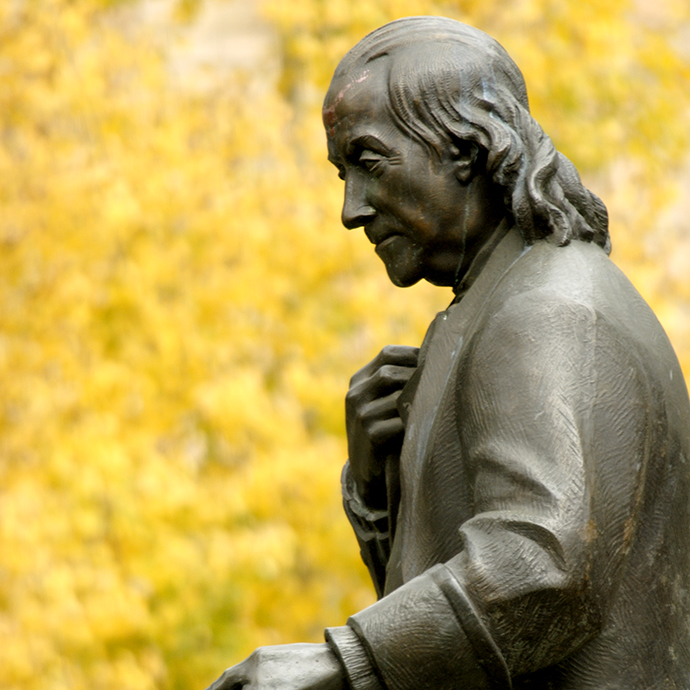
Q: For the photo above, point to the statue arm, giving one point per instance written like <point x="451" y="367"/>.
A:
<point x="553" y="414"/>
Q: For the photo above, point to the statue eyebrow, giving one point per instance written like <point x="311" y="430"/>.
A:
<point x="367" y="141"/>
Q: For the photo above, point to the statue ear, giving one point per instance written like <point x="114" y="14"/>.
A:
<point x="463" y="156"/>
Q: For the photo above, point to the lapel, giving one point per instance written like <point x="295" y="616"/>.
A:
<point x="420" y="399"/>
<point x="451" y="325"/>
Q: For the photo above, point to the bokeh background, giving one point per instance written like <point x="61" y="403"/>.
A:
<point x="180" y="309"/>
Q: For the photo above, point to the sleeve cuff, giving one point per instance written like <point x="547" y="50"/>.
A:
<point x="427" y="634"/>
<point x="371" y="528"/>
<point x="353" y="656"/>
<point x="368" y="520"/>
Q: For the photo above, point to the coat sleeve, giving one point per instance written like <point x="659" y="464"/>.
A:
<point x="553" y="409"/>
<point x="372" y="529"/>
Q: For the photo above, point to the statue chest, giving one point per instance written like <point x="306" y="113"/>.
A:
<point x="435" y="496"/>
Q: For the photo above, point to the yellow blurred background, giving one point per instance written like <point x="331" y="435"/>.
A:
<point x="180" y="309"/>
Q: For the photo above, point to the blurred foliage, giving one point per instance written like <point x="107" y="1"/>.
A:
<point x="180" y="312"/>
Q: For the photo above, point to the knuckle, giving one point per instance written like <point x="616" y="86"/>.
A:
<point x="388" y="372"/>
<point x="352" y="403"/>
<point x="381" y="373"/>
<point x="361" y="416"/>
<point x="389" y="351"/>
<point x="357" y="377"/>
<point x="381" y="357"/>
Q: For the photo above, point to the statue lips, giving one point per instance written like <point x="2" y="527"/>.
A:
<point x="383" y="244"/>
<point x="381" y="239"/>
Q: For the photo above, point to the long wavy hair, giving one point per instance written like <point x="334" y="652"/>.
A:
<point x="450" y="83"/>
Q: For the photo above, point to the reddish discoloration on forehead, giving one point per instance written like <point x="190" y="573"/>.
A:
<point x="329" y="116"/>
<point x="329" y="119"/>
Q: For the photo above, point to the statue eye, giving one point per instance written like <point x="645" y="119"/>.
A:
<point x="370" y="160"/>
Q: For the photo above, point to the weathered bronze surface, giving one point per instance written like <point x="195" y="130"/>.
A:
<point x="519" y="486"/>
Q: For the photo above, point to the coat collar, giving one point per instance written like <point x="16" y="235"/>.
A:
<point x="494" y="260"/>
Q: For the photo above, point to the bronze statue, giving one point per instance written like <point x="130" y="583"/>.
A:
<point x="519" y="486"/>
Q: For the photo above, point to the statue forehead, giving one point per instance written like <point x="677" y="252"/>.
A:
<point x="365" y="67"/>
<point x="360" y="92"/>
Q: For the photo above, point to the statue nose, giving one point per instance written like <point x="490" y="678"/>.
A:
<point x="357" y="218"/>
<point x="356" y="211"/>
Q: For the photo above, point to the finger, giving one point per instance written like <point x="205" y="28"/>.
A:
<point x="379" y="409"/>
<point x="224" y="683"/>
<point x="358" y="420"/>
<point x="386" y="431"/>
<point x="394" y="375"/>
<point x="400" y="355"/>
<point x="379" y="384"/>
<point x="233" y="678"/>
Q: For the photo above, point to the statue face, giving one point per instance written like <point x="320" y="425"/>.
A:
<point x="419" y="210"/>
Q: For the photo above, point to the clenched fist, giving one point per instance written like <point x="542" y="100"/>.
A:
<point x="374" y="428"/>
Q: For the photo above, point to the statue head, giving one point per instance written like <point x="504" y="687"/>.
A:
<point x="452" y="91"/>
